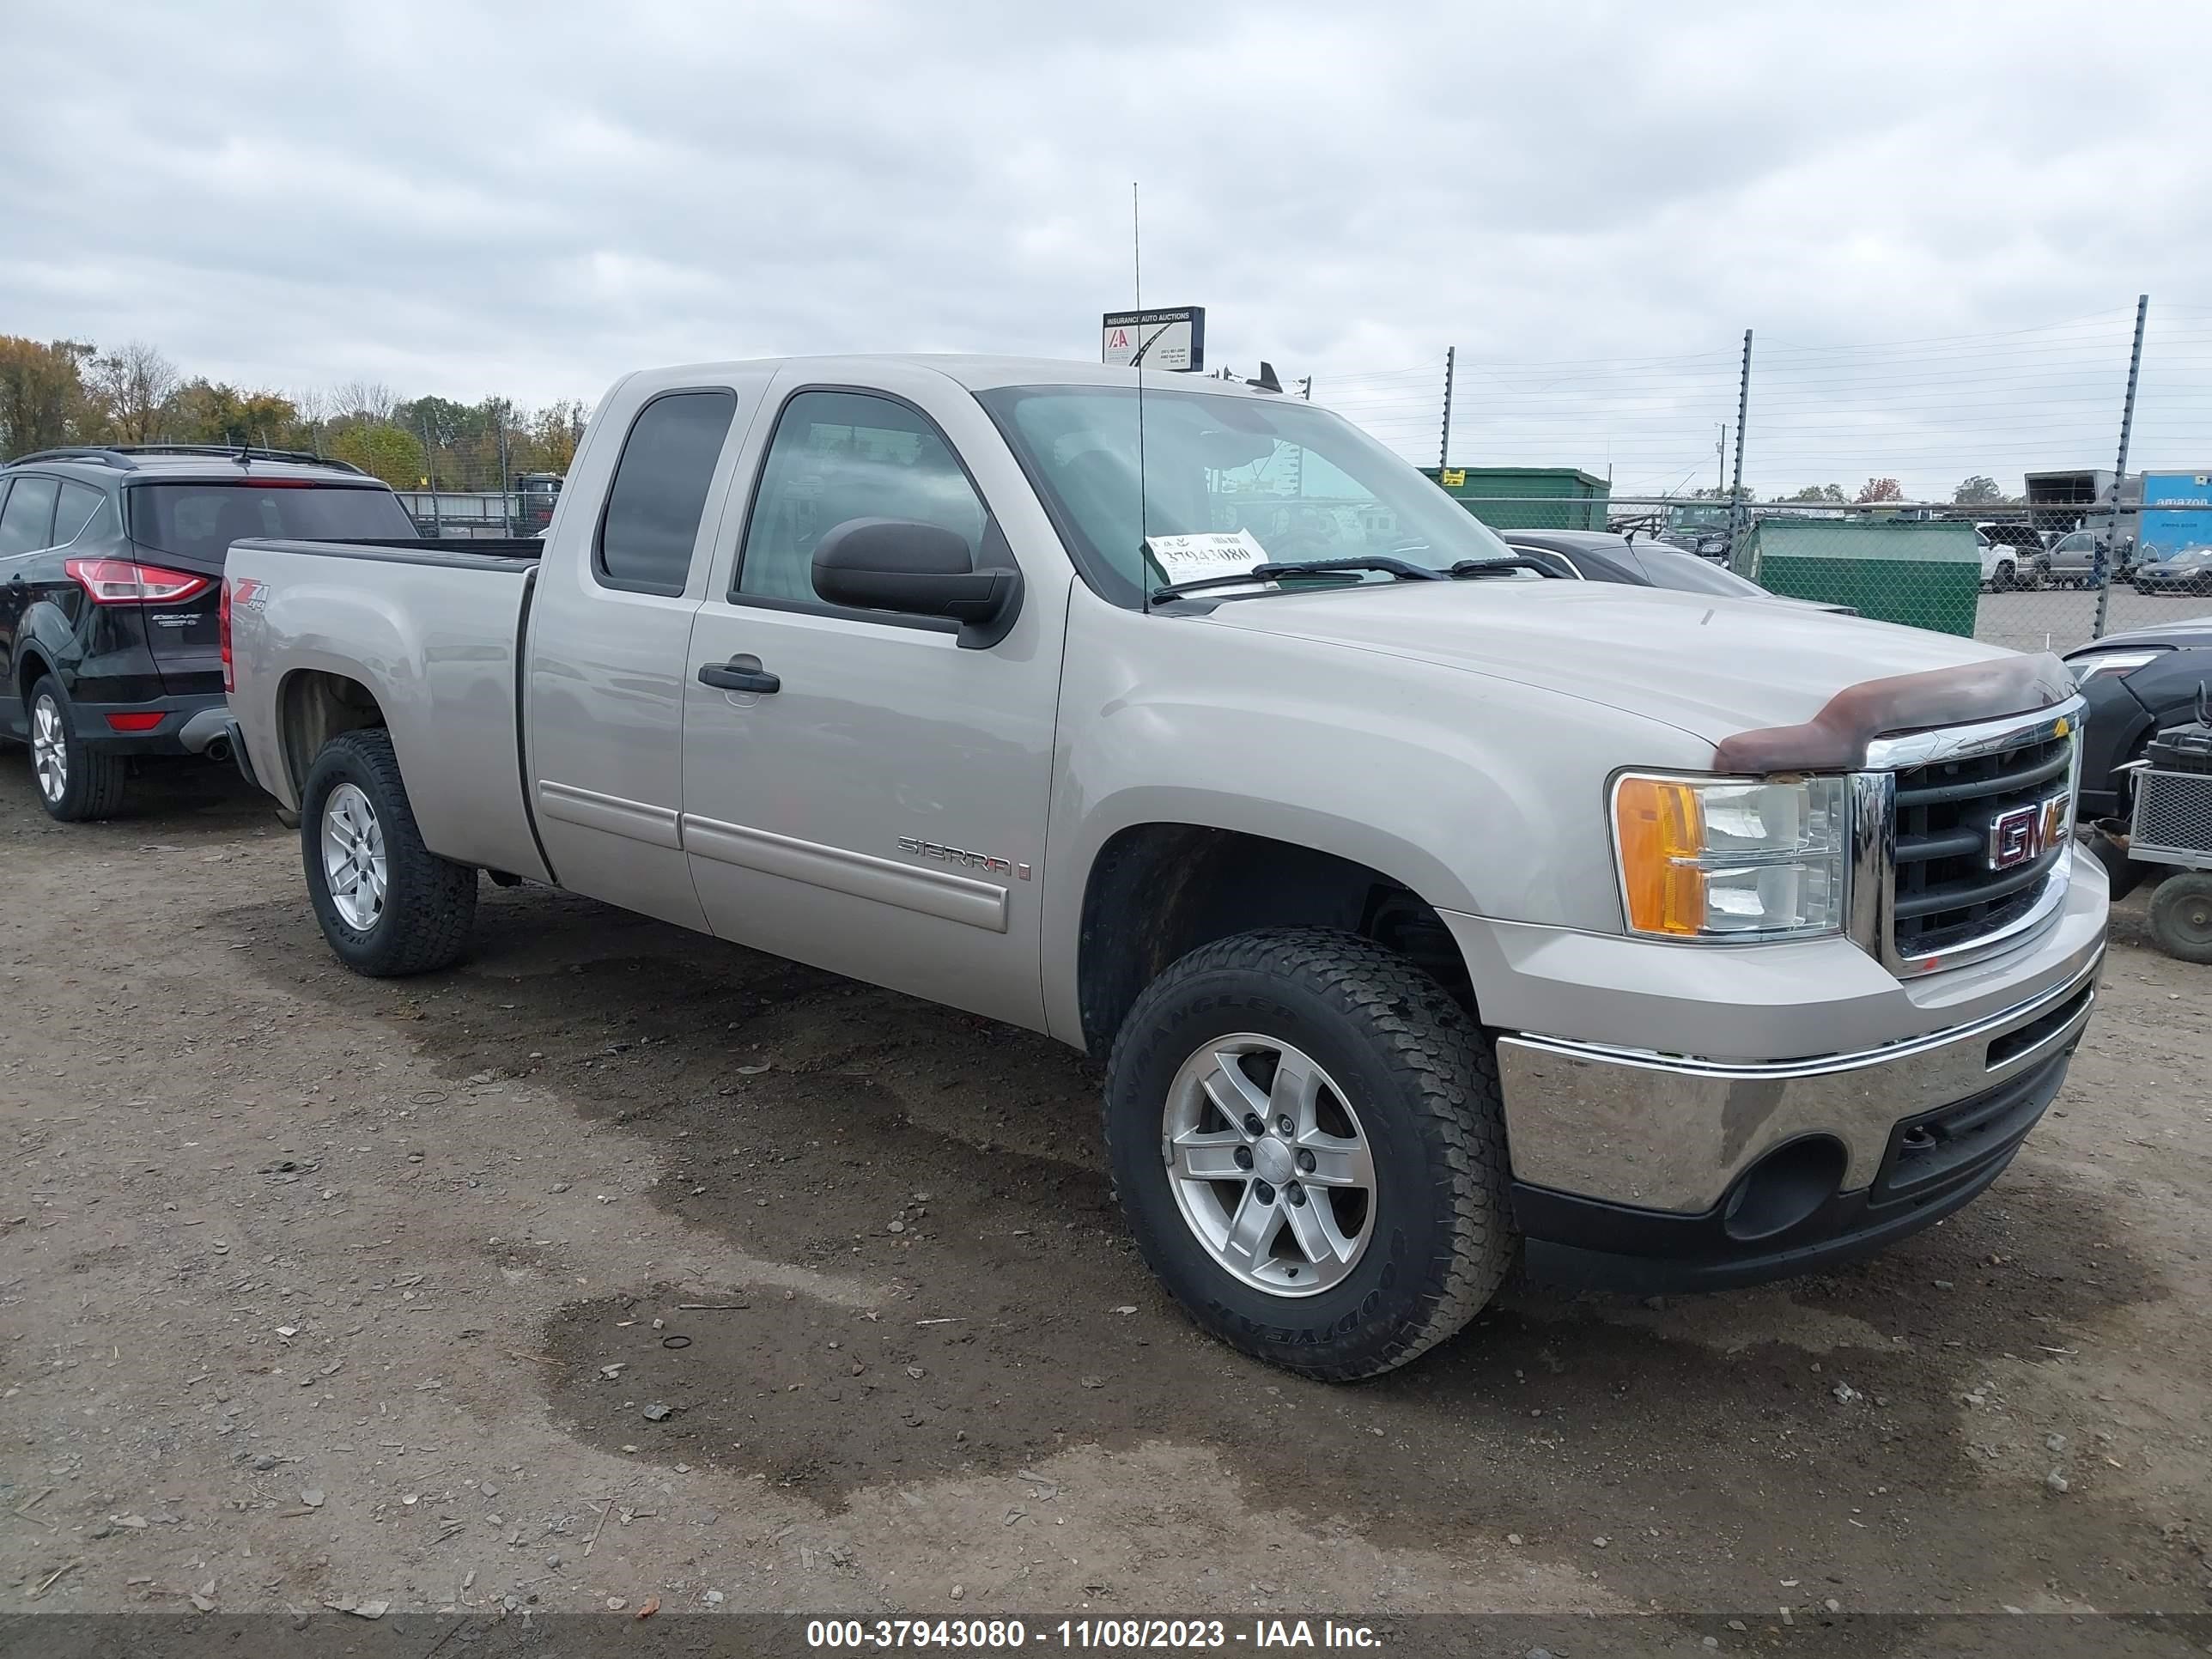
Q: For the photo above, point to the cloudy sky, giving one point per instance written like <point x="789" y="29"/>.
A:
<point x="1936" y="218"/>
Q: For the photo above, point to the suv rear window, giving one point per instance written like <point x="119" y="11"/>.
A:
<point x="202" y="519"/>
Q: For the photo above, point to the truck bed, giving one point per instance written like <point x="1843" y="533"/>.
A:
<point x="434" y="632"/>
<point x="497" y="552"/>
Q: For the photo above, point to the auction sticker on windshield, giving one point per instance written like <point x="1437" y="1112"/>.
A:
<point x="1210" y="553"/>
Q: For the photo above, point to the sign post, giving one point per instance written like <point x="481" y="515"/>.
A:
<point x="1172" y="338"/>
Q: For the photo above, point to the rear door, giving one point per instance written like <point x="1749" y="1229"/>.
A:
<point x="609" y="629"/>
<point x="187" y="526"/>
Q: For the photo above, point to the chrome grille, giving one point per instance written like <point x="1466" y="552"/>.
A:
<point x="1951" y="815"/>
<point x="1925" y="891"/>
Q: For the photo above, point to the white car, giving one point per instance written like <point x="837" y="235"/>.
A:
<point x="2000" y="561"/>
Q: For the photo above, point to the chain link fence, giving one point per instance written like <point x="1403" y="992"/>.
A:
<point x="525" y="511"/>
<point x="2043" y="578"/>
<point x="2038" y="488"/>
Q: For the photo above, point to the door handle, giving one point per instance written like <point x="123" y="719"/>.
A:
<point x="739" y="674"/>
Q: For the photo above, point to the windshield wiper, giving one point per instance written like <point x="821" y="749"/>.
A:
<point x="1403" y="570"/>
<point x="1466" y="567"/>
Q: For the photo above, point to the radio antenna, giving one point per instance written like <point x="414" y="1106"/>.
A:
<point x="1137" y="269"/>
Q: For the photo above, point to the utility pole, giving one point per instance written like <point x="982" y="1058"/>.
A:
<point x="506" y="478"/>
<point x="2120" y="468"/>
<point x="1443" y="444"/>
<point x="1305" y="388"/>
<point x="1742" y="409"/>
<point x="430" y="467"/>
<point x="1720" y="461"/>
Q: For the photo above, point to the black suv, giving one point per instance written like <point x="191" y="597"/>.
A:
<point x="110" y="573"/>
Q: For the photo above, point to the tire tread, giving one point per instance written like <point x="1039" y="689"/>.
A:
<point x="2165" y="924"/>
<point x="1451" y="1074"/>
<point x="97" y="779"/>
<point x="431" y="903"/>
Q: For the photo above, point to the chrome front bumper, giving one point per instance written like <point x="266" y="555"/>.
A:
<point x="1666" y="1132"/>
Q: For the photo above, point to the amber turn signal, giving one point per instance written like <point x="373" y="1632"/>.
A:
<point x="1662" y="833"/>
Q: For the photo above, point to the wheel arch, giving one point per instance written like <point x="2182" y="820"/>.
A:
<point x="1158" y="890"/>
<point x="31" y="667"/>
<point x="315" y="705"/>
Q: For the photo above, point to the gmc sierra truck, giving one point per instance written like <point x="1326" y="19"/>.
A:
<point x="1428" y="913"/>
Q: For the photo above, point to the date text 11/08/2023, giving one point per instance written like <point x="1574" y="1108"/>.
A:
<point x="1106" y="1634"/>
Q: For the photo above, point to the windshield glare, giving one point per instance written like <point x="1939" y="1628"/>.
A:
<point x="1305" y="483"/>
<point x="1686" y="572"/>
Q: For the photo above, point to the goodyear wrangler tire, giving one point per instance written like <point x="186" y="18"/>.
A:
<point x="387" y="904"/>
<point x="1307" y="1137"/>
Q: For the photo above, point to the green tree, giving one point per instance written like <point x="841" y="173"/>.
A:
<point x="555" y="432"/>
<point x="202" y="411"/>
<point x="462" y="439"/>
<point x="43" y="400"/>
<point x="380" y="449"/>
<point x="1976" y="491"/>
<point x="1824" y="494"/>
<point x="1879" y="490"/>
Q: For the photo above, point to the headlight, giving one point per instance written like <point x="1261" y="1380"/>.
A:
<point x="1712" y="859"/>
<point x="2110" y="662"/>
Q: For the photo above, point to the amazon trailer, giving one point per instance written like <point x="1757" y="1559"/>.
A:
<point x="2175" y="513"/>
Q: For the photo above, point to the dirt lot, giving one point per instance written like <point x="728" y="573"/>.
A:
<point x="314" y="1288"/>
<point x="2058" y="619"/>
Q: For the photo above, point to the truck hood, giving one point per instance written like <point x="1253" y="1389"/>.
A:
<point x="1715" y="667"/>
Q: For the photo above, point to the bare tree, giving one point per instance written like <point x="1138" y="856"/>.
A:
<point x="369" y="400"/>
<point x="315" y="408"/>
<point x="133" y="383"/>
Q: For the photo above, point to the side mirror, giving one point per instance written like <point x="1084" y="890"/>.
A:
<point x="917" y="570"/>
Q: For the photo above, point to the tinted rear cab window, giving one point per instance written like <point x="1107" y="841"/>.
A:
<point x="199" y="520"/>
<point x="660" y="491"/>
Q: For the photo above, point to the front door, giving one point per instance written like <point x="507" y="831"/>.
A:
<point x="869" y="797"/>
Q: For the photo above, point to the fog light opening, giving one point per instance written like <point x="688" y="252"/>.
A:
<point x="1784" y="1188"/>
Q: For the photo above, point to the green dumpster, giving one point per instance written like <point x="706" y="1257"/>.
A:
<point x="1527" y="497"/>
<point x="1922" y="575"/>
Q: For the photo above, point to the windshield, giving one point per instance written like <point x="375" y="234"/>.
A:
<point x="201" y="520"/>
<point x="1305" y="483"/>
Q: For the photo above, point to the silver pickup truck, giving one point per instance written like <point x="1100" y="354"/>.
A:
<point x="1426" y="912"/>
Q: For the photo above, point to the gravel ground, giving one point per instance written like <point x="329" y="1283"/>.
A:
<point x="2058" y="619"/>
<point x="619" y="1264"/>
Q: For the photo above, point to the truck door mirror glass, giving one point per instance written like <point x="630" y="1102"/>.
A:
<point x="916" y="569"/>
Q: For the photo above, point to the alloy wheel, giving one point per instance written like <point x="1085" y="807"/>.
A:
<point x="1269" y="1164"/>
<point x="353" y="857"/>
<point x="49" y="749"/>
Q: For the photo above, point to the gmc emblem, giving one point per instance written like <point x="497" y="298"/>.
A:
<point x="2027" y="833"/>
